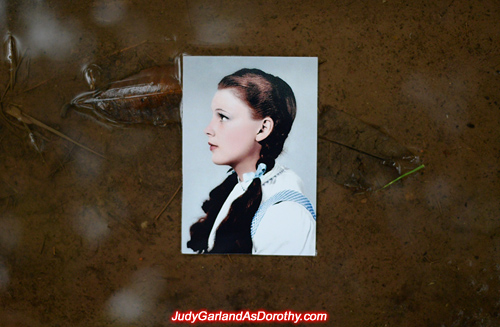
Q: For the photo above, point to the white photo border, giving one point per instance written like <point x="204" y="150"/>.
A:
<point x="201" y="74"/>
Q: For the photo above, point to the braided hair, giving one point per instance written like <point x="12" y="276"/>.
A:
<point x="268" y="96"/>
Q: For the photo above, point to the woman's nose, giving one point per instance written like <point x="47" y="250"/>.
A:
<point x="209" y="130"/>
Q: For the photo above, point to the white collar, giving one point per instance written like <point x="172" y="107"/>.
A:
<point x="248" y="177"/>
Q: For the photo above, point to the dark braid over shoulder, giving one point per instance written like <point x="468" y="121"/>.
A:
<point x="233" y="234"/>
<point x="201" y="230"/>
<point x="268" y="96"/>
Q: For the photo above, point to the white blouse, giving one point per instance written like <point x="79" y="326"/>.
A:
<point x="287" y="228"/>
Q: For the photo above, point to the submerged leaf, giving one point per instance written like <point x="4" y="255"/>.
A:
<point x="151" y="96"/>
<point x="359" y="155"/>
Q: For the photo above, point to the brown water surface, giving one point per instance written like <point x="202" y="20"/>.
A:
<point x="84" y="240"/>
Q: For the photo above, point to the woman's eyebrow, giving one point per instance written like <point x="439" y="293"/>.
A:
<point x="220" y="109"/>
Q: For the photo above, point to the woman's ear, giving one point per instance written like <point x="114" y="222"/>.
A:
<point x="265" y="129"/>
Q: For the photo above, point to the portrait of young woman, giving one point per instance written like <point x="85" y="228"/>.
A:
<point x="257" y="120"/>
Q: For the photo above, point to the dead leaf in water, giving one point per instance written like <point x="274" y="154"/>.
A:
<point x="359" y="155"/>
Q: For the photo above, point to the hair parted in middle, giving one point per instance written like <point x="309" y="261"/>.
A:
<point x="268" y="96"/>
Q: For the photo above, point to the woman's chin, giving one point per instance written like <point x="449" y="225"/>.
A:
<point x="218" y="161"/>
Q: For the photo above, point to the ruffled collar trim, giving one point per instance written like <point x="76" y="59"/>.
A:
<point x="266" y="178"/>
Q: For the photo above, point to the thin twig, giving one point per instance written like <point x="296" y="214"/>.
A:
<point x="402" y="176"/>
<point x="168" y="203"/>
<point x="19" y="65"/>
<point x="125" y="49"/>
<point x="35" y="86"/>
<point x="12" y="188"/>
<point x="62" y="163"/>
<point x="352" y="148"/>
<point x="5" y="92"/>
<point x="30" y="120"/>
<point x="439" y="207"/>
<point x="8" y="123"/>
<point x="43" y="244"/>
<point x="43" y="137"/>
<point x="156" y="63"/>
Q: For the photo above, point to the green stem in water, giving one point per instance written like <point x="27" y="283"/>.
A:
<point x="404" y="175"/>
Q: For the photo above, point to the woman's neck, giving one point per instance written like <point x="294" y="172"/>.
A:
<point x="243" y="168"/>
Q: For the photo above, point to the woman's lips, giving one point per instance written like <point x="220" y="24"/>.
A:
<point x="212" y="146"/>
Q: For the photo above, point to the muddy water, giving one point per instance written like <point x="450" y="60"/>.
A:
<point x="84" y="241"/>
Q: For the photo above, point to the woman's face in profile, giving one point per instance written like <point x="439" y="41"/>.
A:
<point x="232" y="132"/>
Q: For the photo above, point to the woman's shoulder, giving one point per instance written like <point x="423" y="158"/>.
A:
<point x="286" y="229"/>
<point x="281" y="178"/>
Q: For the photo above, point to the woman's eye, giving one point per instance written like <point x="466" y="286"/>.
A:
<point x="222" y="117"/>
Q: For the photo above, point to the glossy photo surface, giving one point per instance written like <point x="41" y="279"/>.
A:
<point x="94" y="201"/>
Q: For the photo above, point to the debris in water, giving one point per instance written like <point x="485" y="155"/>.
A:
<point x="361" y="156"/>
<point x="404" y="175"/>
<point x="26" y="119"/>
<point x="152" y="96"/>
